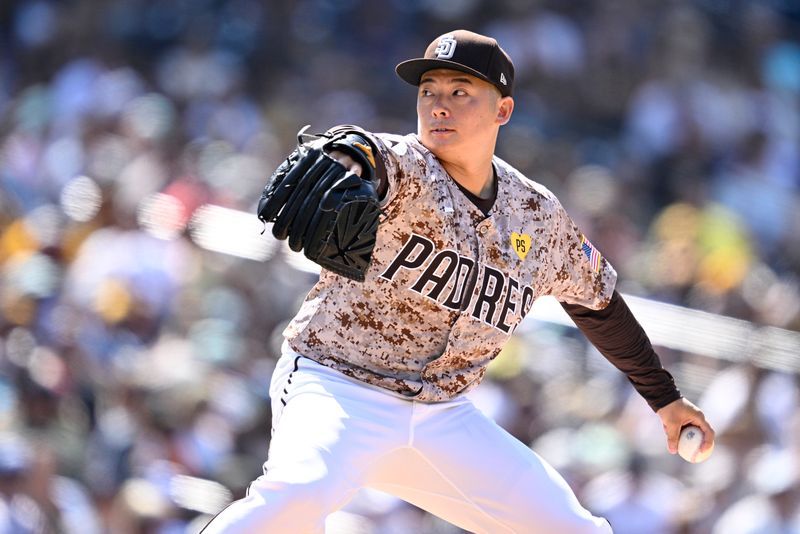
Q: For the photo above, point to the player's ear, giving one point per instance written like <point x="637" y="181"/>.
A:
<point x="505" y="107"/>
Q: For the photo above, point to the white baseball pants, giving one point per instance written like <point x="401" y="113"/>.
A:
<point x="333" y="435"/>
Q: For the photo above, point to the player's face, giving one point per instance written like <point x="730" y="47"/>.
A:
<point x="459" y="114"/>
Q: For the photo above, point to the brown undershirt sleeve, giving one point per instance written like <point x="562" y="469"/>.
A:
<point x="616" y="333"/>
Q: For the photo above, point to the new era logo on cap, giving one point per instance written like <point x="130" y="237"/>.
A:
<point x="464" y="51"/>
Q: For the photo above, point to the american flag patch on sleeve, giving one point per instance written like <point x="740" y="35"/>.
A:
<point x="592" y="253"/>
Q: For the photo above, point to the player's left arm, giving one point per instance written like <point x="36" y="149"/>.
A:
<point x="356" y="155"/>
<point x="620" y="338"/>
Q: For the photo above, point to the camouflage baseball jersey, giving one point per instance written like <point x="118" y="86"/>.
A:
<point x="447" y="285"/>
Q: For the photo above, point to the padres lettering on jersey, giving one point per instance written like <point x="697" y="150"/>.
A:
<point x="447" y="285"/>
<point x="448" y="268"/>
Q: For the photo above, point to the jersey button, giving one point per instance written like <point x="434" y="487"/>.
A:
<point x="483" y="230"/>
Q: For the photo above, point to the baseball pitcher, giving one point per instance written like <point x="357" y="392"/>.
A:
<point x="433" y="250"/>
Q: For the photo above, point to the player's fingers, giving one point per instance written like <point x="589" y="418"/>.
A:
<point x="679" y="414"/>
<point x="685" y="413"/>
<point x="697" y="418"/>
<point x="673" y="432"/>
<point x="672" y="417"/>
<point x="347" y="162"/>
<point x="708" y="434"/>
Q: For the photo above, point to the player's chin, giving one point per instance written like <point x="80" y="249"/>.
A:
<point x="432" y="141"/>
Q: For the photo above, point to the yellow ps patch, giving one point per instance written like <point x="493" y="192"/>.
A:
<point x="367" y="150"/>
<point x="521" y="244"/>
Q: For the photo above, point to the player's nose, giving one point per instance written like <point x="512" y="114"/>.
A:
<point x="439" y="109"/>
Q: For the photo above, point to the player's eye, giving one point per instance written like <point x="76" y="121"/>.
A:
<point x="459" y="92"/>
<point x="425" y="92"/>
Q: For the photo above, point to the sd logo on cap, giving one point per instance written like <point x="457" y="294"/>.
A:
<point x="464" y="51"/>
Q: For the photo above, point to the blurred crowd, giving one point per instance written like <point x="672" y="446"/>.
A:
<point x="134" y="362"/>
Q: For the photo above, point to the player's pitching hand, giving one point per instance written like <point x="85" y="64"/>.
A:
<point x="680" y="413"/>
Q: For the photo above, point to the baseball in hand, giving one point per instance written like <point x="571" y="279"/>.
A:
<point x="689" y="445"/>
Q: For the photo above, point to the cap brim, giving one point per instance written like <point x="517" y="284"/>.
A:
<point x="411" y="71"/>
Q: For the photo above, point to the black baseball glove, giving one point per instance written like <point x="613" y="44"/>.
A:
<point x="323" y="209"/>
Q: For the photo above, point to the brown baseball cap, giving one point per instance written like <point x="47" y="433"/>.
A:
<point x="464" y="51"/>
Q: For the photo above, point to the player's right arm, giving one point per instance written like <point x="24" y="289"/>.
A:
<point x="618" y="336"/>
<point x="584" y="283"/>
<point x="616" y="333"/>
